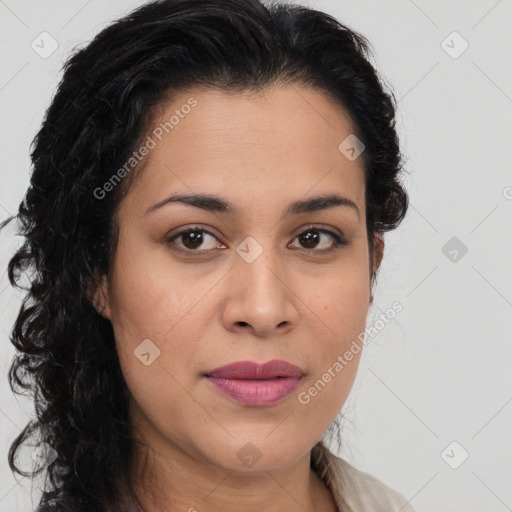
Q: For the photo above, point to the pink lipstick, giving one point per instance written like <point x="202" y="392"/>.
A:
<point x="256" y="384"/>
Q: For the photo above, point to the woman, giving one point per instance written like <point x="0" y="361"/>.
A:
<point x="204" y="225"/>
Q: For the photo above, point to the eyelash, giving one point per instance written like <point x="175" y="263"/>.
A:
<point x="338" y="242"/>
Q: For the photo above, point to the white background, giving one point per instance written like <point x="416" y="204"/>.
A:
<point x="440" y="372"/>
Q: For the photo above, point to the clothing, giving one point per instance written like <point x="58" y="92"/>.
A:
<point x="353" y="490"/>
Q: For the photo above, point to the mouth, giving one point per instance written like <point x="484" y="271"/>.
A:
<point x="256" y="384"/>
<point x="276" y="368"/>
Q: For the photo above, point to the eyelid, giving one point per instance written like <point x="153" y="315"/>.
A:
<point x="320" y="227"/>
<point x="187" y="228"/>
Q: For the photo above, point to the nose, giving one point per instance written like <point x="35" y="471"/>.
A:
<point x="260" y="298"/>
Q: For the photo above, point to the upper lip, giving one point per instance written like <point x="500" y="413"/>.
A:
<point x="253" y="370"/>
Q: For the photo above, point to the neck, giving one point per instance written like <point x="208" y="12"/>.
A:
<point x="177" y="482"/>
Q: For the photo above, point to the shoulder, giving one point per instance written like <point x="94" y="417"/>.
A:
<point x="357" y="491"/>
<point x="366" y="493"/>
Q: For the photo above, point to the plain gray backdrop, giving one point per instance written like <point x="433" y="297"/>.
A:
<point x="430" y="413"/>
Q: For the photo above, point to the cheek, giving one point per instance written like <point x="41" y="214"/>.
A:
<point x="342" y="300"/>
<point x="155" y="334"/>
<point x="152" y="301"/>
<point x="156" y="337"/>
<point x="149" y="297"/>
<point x="340" y="308"/>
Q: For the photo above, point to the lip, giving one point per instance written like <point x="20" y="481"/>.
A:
<point x="255" y="384"/>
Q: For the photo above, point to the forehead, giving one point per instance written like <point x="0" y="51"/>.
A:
<point x="281" y="141"/>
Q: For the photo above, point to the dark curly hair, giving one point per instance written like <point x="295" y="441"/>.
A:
<point x="66" y="356"/>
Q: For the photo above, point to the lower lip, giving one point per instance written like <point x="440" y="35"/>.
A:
<point x="256" y="392"/>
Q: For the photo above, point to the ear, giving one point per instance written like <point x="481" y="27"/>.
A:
<point x="376" y="259"/>
<point x="99" y="296"/>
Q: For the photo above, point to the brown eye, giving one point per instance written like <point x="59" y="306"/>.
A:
<point x="312" y="238"/>
<point x="193" y="240"/>
<point x="309" y="239"/>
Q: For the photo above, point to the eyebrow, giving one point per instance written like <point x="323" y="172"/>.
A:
<point x="219" y="205"/>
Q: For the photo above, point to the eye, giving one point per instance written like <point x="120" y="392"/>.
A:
<point x="191" y="239"/>
<point x="311" y="239"/>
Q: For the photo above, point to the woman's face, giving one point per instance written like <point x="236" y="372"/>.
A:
<point x="270" y="283"/>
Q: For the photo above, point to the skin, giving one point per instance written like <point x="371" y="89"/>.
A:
<point x="260" y="152"/>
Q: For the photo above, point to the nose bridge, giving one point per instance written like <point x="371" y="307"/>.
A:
<point x="260" y="266"/>
<point x="262" y="298"/>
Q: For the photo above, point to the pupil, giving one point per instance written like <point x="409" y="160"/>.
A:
<point x="310" y="238"/>
<point x="196" y="239"/>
